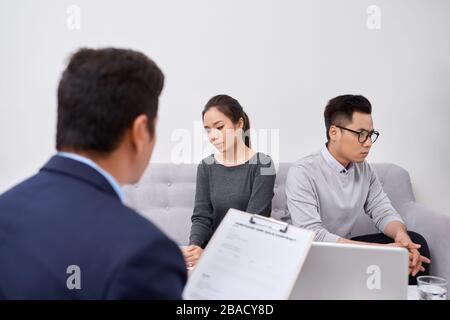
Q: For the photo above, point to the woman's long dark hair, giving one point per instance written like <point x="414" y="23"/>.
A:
<point x="233" y="110"/>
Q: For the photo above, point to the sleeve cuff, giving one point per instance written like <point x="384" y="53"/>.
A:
<point x="325" y="236"/>
<point x="388" y="219"/>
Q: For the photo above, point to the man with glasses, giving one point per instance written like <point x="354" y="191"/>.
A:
<point x="328" y="190"/>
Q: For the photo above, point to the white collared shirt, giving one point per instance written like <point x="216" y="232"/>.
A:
<point x="333" y="163"/>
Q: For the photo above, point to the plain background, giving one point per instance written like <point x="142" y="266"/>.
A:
<point x="282" y="59"/>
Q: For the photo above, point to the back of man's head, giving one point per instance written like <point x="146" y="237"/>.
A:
<point x="100" y="94"/>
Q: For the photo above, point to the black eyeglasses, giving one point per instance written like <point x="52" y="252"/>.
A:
<point x="363" y="135"/>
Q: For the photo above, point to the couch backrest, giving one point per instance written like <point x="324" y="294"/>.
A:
<point x="165" y="195"/>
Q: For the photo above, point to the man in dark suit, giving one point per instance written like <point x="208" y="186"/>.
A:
<point x="65" y="232"/>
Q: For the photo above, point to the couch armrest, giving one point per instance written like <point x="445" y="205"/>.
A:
<point x="435" y="228"/>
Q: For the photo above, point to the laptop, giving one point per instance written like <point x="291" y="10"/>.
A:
<point x="346" y="271"/>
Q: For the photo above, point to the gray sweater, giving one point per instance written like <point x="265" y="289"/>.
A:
<point x="326" y="198"/>
<point x="247" y="187"/>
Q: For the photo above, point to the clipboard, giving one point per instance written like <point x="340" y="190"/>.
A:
<point x="249" y="257"/>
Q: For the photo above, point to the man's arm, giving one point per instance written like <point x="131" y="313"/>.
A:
<point x="378" y="206"/>
<point x="388" y="221"/>
<point x="396" y="229"/>
<point x="398" y="244"/>
<point x="348" y="241"/>
<point x="303" y="204"/>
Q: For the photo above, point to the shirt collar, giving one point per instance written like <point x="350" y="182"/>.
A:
<point x="113" y="182"/>
<point x="333" y="163"/>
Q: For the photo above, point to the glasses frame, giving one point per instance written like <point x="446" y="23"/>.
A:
<point x="369" y="134"/>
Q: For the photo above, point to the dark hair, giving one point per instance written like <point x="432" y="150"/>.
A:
<point x="233" y="110"/>
<point x="101" y="93"/>
<point x="339" y="110"/>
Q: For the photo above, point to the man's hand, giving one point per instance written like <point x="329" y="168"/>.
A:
<point x="403" y="240"/>
<point x="415" y="268"/>
<point x="191" y="255"/>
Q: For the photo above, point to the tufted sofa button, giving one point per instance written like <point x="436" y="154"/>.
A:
<point x="167" y="208"/>
<point x="169" y="184"/>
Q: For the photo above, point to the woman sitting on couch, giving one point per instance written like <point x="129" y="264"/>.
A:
<point x="235" y="177"/>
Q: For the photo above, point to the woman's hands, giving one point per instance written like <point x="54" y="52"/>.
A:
<point x="191" y="255"/>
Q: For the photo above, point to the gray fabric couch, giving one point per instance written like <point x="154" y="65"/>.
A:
<point x="165" y="195"/>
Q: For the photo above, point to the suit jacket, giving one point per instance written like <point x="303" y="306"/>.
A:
<point x="64" y="234"/>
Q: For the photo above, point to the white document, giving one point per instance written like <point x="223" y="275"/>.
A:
<point x="249" y="257"/>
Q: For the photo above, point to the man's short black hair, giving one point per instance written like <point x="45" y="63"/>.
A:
<point x="339" y="110"/>
<point x="101" y="93"/>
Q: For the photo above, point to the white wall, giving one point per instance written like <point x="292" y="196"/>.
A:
<point x="282" y="59"/>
